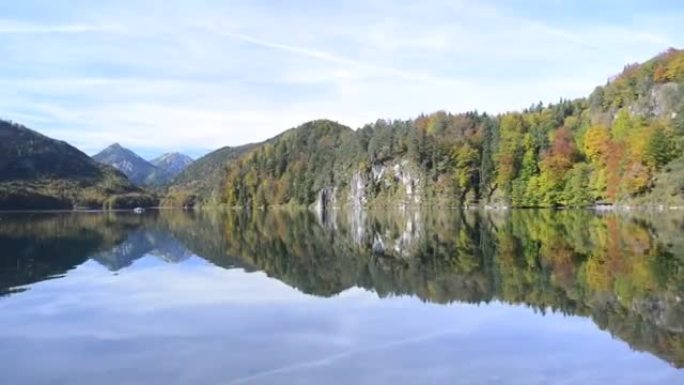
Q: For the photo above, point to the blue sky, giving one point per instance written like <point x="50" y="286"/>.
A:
<point x="193" y="76"/>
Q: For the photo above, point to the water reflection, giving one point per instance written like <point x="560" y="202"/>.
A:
<point x="624" y="273"/>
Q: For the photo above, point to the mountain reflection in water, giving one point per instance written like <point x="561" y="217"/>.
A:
<point x="625" y="273"/>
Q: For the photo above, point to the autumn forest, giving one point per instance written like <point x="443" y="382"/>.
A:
<point x="620" y="145"/>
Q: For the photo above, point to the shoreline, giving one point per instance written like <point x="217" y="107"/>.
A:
<point x="600" y="208"/>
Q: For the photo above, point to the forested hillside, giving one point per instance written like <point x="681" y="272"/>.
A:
<point x="622" y="144"/>
<point x="202" y="180"/>
<point x="37" y="172"/>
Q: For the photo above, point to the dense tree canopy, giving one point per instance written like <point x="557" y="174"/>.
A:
<point x="611" y="147"/>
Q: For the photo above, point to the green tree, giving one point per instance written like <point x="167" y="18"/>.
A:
<point x="467" y="161"/>
<point x="659" y="148"/>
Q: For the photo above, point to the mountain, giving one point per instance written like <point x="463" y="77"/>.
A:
<point x="293" y="167"/>
<point x="137" y="169"/>
<point x="200" y="182"/>
<point x="172" y="163"/>
<point x="140" y="243"/>
<point x="37" y="172"/>
<point x="620" y="145"/>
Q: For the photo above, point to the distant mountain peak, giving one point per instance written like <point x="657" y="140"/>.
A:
<point x="140" y="171"/>
<point x="114" y="147"/>
<point x="171" y="155"/>
<point x="137" y="169"/>
<point x="172" y="163"/>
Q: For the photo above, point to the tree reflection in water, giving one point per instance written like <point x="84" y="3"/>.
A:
<point x="626" y="273"/>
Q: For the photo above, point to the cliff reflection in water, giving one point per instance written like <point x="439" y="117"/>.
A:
<point x="625" y="273"/>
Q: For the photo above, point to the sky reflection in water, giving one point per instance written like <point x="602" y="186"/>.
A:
<point x="194" y="322"/>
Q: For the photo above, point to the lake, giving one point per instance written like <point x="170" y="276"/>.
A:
<point x="408" y="297"/>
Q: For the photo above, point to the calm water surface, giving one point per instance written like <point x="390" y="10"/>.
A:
<point x="524" y="297"/>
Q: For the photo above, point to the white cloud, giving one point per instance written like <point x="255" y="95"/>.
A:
<point x="213" y="74"/>
<point x="19" y="27"/>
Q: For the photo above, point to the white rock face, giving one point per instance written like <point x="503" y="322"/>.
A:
<point x="385" y="175"/>
<point x="357" y="195"/>
<point x="326" y="204"/>
<point x="663" y="311"/>
<point x="358" y="225"/>
<point x="398" y="244"/>
<point x="378" y="171"/>
<point x="413" y="231"/>
<point x="124" y="166"/>
<point x="381" y="176"/>
<point x="411" y="182"/>
<point x="662" y="100"/>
